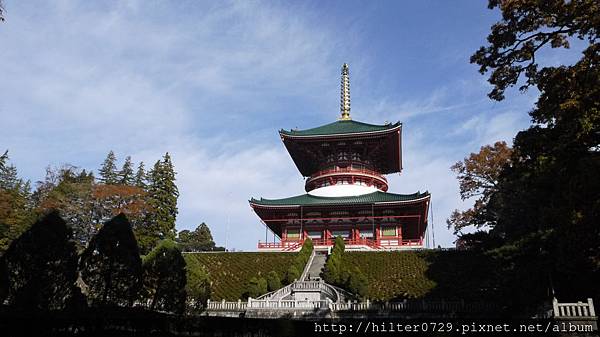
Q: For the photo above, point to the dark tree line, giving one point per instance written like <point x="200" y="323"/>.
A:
<point x="42" y="270"/>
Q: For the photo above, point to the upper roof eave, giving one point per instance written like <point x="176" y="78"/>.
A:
<point x="313" y="133"/>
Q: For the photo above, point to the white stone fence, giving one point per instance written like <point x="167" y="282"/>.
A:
<point x="226" y="306"/>
<point x="408" y="306"/>
<point x="579" y="309"/>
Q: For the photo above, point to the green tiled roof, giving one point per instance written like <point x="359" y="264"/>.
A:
<point x="307" y="199"/>
<point x="340" y="127"/>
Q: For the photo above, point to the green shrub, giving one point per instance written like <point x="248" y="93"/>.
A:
<point x="273" y="281"/>
<point x="256" y="287"/>
<point x="164" y="278"/>
<point x="303" y="255"/>
<point x="334" y="272"/>
<point x="357" y="282"/>
<point x="292" y="274"/>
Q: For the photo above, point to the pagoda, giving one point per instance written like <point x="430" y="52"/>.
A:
<point x="345" y="163"/>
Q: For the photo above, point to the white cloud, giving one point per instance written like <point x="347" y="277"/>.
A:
<point x="211" y="83"/>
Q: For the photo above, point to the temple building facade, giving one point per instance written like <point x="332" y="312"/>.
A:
<point x="345" y="163"/>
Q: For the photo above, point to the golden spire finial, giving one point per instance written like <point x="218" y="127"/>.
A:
<point x="345" y="93"/>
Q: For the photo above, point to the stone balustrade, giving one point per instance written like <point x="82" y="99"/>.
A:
<point x="579" y="309"/>
<point x="403" y="306"/>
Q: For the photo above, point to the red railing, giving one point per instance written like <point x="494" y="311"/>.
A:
<point x="348" y="170"/>
<point x="377" y="243"/>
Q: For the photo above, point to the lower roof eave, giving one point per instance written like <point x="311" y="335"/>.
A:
<point x="399" y="202"/>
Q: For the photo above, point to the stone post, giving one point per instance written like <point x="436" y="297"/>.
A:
<point x="555" y="307"/>
<point x="591" y="307"/>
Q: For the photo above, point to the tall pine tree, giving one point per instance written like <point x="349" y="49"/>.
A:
<point x="108" y="171"/>
<point x="126" y="176"/>
<point x="162" y="201"/>
<point x="140" y="177"/>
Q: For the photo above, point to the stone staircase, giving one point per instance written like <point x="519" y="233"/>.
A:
<point x="313" y="272"/>
<point x="310" y="285"/>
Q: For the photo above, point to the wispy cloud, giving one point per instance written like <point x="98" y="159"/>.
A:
<point x="212" y="82"/>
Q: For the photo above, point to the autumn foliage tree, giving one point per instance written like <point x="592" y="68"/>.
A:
<point x="15" y="203"/>
<point x="478" y="176"/>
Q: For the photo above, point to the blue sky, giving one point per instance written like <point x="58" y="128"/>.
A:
<point x="212" y="82"/>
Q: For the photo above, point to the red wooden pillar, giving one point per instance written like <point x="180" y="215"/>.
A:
<point x="399" y="226"/>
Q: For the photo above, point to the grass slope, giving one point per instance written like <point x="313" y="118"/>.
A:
<point x="423" y="274"/>
<point x="229" y="272"/>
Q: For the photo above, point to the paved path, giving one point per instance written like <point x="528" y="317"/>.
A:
<point x="318" y="263"/>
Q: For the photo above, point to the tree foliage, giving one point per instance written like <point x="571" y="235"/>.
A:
<point x="292" y="274"/>
<point x="273" y="281"/>
<point x="547" y="202"/>
<point x="126" y="175"/>
<point x="525" y="28"/>
<point x="39" y="270"/>
<point x="164" y="278"/>
<point x="256" y="286"/>
<point x="108" y="171"/>
<point x="110" y="266"/>
<point x="334" y="270"/>
<point x="199" y="240"/>
<point x="15" y="203"/>
<point x="478" y="177"/>
<point x="140" y="177"/>
<point x="84" y="204"/>
<point x="162" y="200"/>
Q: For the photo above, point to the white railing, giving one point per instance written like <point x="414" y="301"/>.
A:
<point x="277" y="294"/>
<point x="286" y="304"/>
<point x="226" y="306"/>
<point x="579" y="309"/>
<point x="404" y="306"/>
<point x="414" y="306"/>
<point x="320" y="285"/>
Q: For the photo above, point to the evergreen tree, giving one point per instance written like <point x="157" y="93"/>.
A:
<point x="357" y="283"/>
<point x="140" y="177"/>
<point x="162" y="201"/>
<point x="126" y="176"/>
<point x="334" y="272"/>
<point x="110" y="266"/>
<point x="197" y="241"/>
<point x="16" y="203"/>
<point x="273" y="281"/>
<point x="39" y="270"/>
<point x="255" y="287"/>
<point x="108" y="171"/>
<point x="292" y="274"/>
<point x="164" y="278"/>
